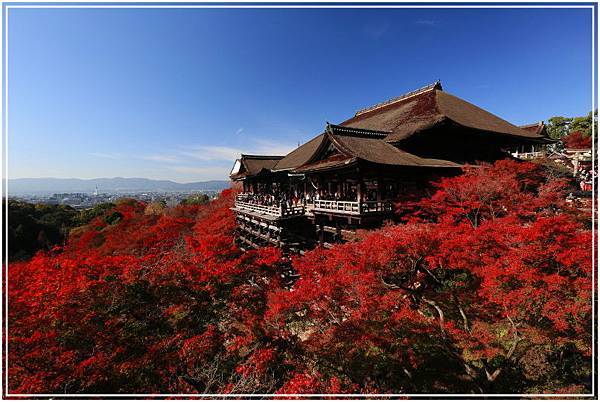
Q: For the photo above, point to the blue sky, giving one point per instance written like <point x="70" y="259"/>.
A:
<point x="178" y="93"/>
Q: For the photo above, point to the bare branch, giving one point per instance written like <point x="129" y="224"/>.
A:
<point x="492" y="377"/>
<point x="439" y="311"/>
<point x="466" y="325"/>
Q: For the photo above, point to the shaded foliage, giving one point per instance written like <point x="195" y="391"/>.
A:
<point x="34" y="227"/>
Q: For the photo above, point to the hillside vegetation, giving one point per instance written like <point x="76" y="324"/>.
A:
<point x="34" y="227"/>
<point x="485" y="287"/>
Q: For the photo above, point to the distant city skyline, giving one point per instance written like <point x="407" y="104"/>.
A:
<point x="178" y="94"/>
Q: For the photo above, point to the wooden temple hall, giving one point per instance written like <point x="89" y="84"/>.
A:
<point x="352" y="174"/>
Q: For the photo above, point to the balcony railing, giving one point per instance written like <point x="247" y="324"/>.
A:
<point x="245" y="202"/>
<point x="242" y="202"/>
<point x="353" y="207"/>
<point x="529" y="155"/>
<point x="337" y="206"/>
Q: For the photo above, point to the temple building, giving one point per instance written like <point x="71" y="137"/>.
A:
<point x="352" y="174"/>
<point x="532" y="151"/>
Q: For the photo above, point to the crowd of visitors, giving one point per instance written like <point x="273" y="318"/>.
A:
<point x="296" y="198"/>
<point x="275" y="199"/>
<point x="586" y="176"/>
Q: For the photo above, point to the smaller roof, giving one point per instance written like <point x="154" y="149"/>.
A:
<point x="370" y="145"/>
<point x="538" y="128"/>
<point x="253" y="165"/>
<point x="300" y="155"/>
<point x="330" y="163"/>
<point x="367" y="145"/>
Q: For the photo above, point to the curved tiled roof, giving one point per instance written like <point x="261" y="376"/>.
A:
<point x="300" y="155"/>
<point x="255" y="164"/>
<point x="333" y="162"/>
<point x="366" y="145"/>
<point x="376" y="150"/>
<point x="426" y="108"/>
<point x="369" y="135"/>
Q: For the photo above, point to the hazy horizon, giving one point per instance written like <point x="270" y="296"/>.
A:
<point x="24" y="186"/>
<point x="178" y="94"/>
<point x="109" y="178"/>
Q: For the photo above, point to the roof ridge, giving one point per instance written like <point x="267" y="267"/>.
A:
<point x="361" y="131"/>
<point x="435" y="85"/>
<point x="539" y="123"/>
<point x="262" y="156"/>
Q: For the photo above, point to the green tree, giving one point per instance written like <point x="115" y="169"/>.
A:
<point x="36" y="227"/>
<point x="86" y="215"/>
<point x="583" y="125"/>
<point x="196" y="199"/>
<point x="558" y="126"/>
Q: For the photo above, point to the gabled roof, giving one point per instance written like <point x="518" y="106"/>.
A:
<point x="367" y="145"/>
<point x="252" y="165"/>
<point x="370" y="145"/>
<point x="369" y="135"/>
<point x="330" y="163"/>
<point x="300" y="155"/>
<point x="538" y="128"/>
<point x="426" y="108"/>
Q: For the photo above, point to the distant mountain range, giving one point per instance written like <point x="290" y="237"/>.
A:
<point x="107" y="185"/>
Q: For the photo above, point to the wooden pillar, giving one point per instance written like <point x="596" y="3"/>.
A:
<point x="305" y="188"/>
<point x="321" y="235"/>
<point x="279" y="237"/>
<point x="359" y="193"/>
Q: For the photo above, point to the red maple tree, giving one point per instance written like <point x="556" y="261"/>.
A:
<point x="485" y="287"/>
<point x="576" y="140"/>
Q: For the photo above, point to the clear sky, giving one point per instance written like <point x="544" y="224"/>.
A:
<point x="178" y="94"/>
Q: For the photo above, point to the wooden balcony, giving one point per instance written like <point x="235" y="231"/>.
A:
<point x="353" y="207"/>
<point x="244" y="204"/>
<point x="529" y="155"/>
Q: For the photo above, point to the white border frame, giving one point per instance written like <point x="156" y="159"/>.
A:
<point x="278" y="5"/>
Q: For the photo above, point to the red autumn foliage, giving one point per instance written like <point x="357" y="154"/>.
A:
<point x="576" y="140"/>
<point x="486" y="287"/>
